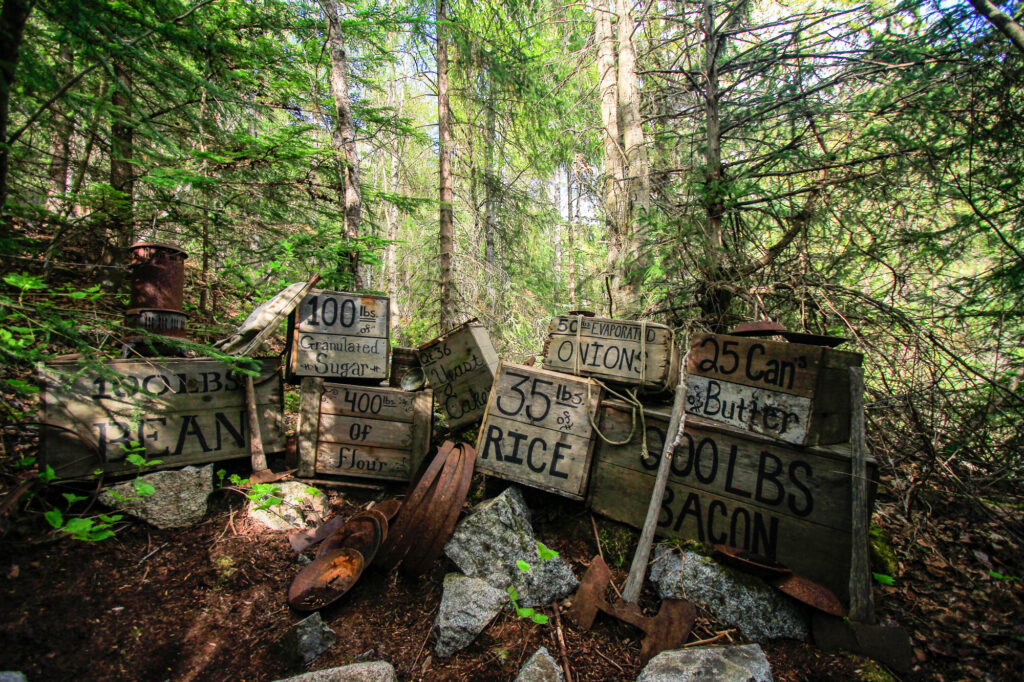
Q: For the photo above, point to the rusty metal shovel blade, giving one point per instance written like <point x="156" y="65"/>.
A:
<point x="325" y="579"/>
<point x="666" y="630"/>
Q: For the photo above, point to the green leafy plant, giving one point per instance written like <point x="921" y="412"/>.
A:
<point x="91" y="529"/>
<point x="545" y="554"/>
<point x="884" y="579"/>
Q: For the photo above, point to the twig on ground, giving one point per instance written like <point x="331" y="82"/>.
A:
<point x="598" y="652"/>
<point x="563" y="654"/>
<point x="152" y="553"/>
<point x="720" y="635"/>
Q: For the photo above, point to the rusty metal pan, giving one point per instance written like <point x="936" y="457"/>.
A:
<point x="363" y="532"/>
<point x="304" y="539"/>
<point x="325" y="579"/>
<point x="758" y="328"/>
<point x="388" y="507"/>
<point x="811" y="593"/>
<point x="813" y="339"/>
<point x="394" y="547"/>
<point x="444" y="513"/>
<point x="755" y="564"/>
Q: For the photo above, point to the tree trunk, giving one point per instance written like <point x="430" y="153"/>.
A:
<point x="570" y="232"/>
<point x="122" y="175"/>
<point x="446" y="234"/>
<point x="60" y="149"/>
<point x="558" y="230"/>
<point x="344" y="138"/>
<point x="613" y="167"/>
<point x="13" y="16"/>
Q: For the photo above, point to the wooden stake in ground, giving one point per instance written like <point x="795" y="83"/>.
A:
<point x="862" y="608"/>
<point x="259" y="458"/>
<point x="677" y="422"/>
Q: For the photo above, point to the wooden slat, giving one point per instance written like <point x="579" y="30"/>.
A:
<point x="364" y="462"/>
<point x="309" y="422"/>
<point x="337" y="428"/>
<point x="772" y="413"/>
<point x="537" y="430"/>
<point x="378" y="403"/>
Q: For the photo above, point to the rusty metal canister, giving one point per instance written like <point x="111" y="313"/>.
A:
<point x="158" y="277"/>
<point x="155" y="321"/>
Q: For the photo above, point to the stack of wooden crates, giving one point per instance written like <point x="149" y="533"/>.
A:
<point x="764" y="463"/>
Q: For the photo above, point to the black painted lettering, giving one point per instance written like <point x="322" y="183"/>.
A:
<point x="691" y="506"/>
<point x="712" y="537"/>
<point x="556" y="456"/>
<point x="764" y="474"/>
<point x="529" y="456"/>
<point x="517" y="438"/>
<point x="806" y="506"/>
<point x="494" y="435"/>
<point x="190" y="427"/>
<point x="730" y="473"/>
<point x="238" y="434"/>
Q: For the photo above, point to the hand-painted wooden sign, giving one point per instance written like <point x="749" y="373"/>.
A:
<point x="335" y="335"/>
<point x="460" y="367"/>
<point x="537" y="429"/>
<point x="794" y="392"/>
<point x="180" y="411"/>
<point x="731" y="487"/>
<point x="362" y="431"/>
<point x="621" y="351"/>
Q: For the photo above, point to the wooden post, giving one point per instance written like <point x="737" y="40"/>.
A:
<point x="259" y="458"/>
<point x="677" y="422"/>
<point x="862" y="608"/>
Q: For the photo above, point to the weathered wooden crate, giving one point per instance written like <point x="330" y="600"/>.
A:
<point x="337" y="335"/>
<point x="362" y="431"/>
<point x="794" y="392"/>
<point x="537" y="430"/>
<point x="624" y="352"/>
<point x="181" y="411"/>
<point x="732" y="487"/>
<point x="460" y="367"/>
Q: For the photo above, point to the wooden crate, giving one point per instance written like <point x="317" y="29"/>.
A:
<point x="624" y="352"/>
<point x="460" y="367"/>
<point x="537" y="429"/>
<point x="337" y="335"/>
<point x="362" y="431"/>
<point x="732" y="487"/>
<point x="182" y="411"/>
<point x="794" y="392"/>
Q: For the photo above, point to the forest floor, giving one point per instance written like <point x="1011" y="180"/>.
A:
<point x="206" y="602"/>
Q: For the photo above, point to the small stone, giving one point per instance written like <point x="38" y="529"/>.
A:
<point x="12" y="676"/>
<point x="745" y="663"/>
<point x="177" y="501"/>
<point x="377" y="671"/>
<point x="304" y="641"/>
<point x="299" y="508"/>
<point x="467" y="606"/>
<point x="491" y="541"/>
<point x="761" y="613"/>
<point x="541" y="667"/>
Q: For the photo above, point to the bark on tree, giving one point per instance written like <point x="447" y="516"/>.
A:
<point x="343" y="136"/>
<point x="13" y="16"/>
<point x="613" y="162"/>
<point x="1002" y="21"/>
<point x="446" y="233"/>
<point x="60" y="149"/>
<point x="122" y="175"/>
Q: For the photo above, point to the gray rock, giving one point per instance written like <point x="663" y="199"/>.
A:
<point x="178" y="499"/>
<point x="746" y="663"/>
<point x="377" y="671"/>
<point x="488" y="543"/>
<point x="467" y="606"/>
<point x="304" y="641"/>
<point x="540" y="667"/>
<point x="12" y="676"/>
<point x="299" y="508"/>
<point x="761" y="613"/>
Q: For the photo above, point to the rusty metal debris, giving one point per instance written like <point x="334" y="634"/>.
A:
<point x="158" y="276"/>
<point x="770" y="328"/>
<point x="326" y="579"/>
<point x="667" y="630"/>
<point x="428" y="515"/>
<point x="363" y="532"/>
<point x="405" y="369"/>
<point x="755" y="564"/>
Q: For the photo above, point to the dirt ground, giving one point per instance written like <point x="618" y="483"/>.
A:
<point x="206" y="603"/>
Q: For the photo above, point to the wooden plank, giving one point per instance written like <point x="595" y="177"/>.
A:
<point x="781" y="415"/>
<point x="613" y="350"/>
<point x="460" y="367"/>
<point x="337" y="428"/>
<point x="339" y="335"/>
<point x="734" y="487"/>
<point x="371" y="401"/>
<point x="309" y="421"/>
<point x="862" y="607"/>
<point x="363" y="461"/>
<point x="783" y="367"/>
<point x="181" y="411"/>
<point x="537" y="431"/>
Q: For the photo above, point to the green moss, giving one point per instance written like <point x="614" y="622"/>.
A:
<point x="618" y="542"/>
<point x="883" y="559"/>
<point x="873" y="672"/>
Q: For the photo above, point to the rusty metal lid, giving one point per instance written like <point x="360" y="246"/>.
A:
<point x="363" y="532"/>
<point x="325" y="579"/>
<point x="584" y="313"/>
<point x="755" y="564"/>
<point x="808" y="592"/>
<point x="758" y="328"/>
<point x="138" y="246"/>
<point x="813" y="339"/>
<point x="159" y="311"/>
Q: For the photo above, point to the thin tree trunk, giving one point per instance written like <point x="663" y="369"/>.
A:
<point x="569" y="232"/>
<point x="606" y="72"/>
<point x="60" y="154"/>
<point x="714" y="300"/>
<point x="446" y="233"/>
<point x="637" y="168"/>
<point x="122" y="176"/>
<point x="344" y="138"/>
<point x="558" y="230"/>
<point x="13" y="16"/>
<point x="1002" y="21"/>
